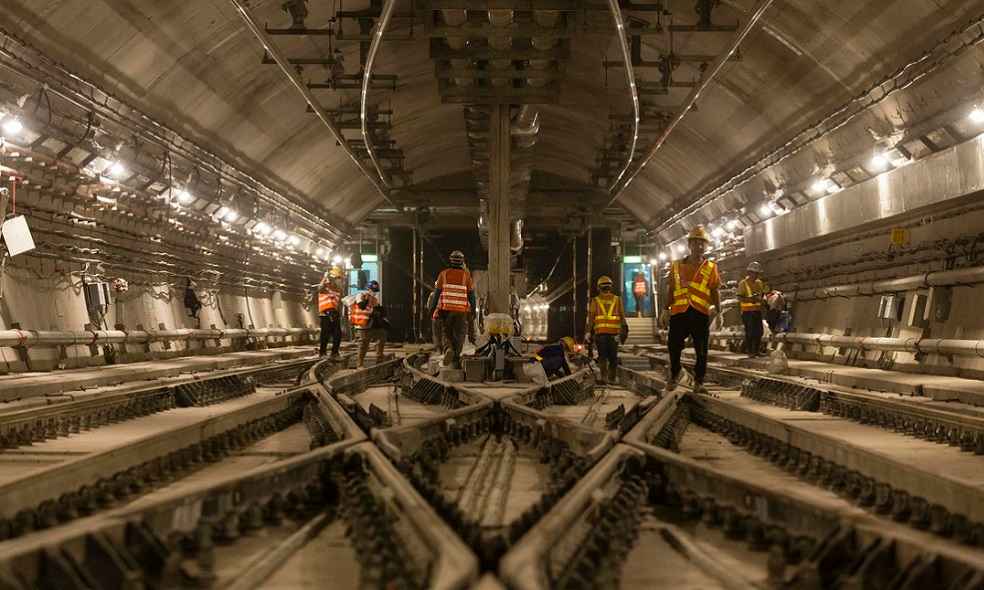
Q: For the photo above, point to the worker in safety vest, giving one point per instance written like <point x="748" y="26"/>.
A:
<point x="329" y="303"/>
<point x="639" y="290"/>
<point x="692" y="290"/>
<point x="606" y="326"/>
<point x="751" y="298"/>
<point x="367" y="316"/>
<point x="553" y="357"/>
<point x="455" y="300"/>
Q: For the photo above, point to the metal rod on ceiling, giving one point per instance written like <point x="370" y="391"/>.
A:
<point x="616" y="11"/>
<point x="377" y="39"/>
<point x="712" y="72"/>
<point x="298" y="84"/>
<point x="156" y="133"/>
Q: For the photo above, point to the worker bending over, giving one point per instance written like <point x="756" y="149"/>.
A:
<point x="606" y="325"/>
<point x="455" y="299"/>
<point x="367" y="317"/>
<point x="553" y="358"/>
<point x="751" y="298"/>
<point x="329" y="302"/>
<point x="693" y="290"/>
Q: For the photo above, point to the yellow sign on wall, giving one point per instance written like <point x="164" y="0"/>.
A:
<point x="900" y="236"/>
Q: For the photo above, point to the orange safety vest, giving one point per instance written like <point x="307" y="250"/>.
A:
<point x="749" y="288"/>
<point x="327" y="301"/>
<point x="607" y="319"/>
<point x="360" y="317"/>
<point x="639" y="288"/>
<point x="454" y="292"/>
<point x="697" y="293"/>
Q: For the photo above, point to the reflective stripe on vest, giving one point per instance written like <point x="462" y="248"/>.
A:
<point x="745" y="289"/>
<point x="639" y="288"/>
<point x="360" y="317"/>
<point x="607" y="321"/>
<point x="696" y="293"/>
<point x="454" y="292"/>
<point x="327" y="301"/>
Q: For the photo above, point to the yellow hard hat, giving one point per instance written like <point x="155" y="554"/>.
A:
<point x="335" y="272"/>
<point x="604" y="280"/>
<point x="699" y="233"/>
<point x="568" y="343"/>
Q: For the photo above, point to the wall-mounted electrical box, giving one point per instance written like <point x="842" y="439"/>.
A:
<point x="888" y="307"/>
<point x="917" y="311"/>
<point x="97" y="296"/>
<point x="940" y="299"/>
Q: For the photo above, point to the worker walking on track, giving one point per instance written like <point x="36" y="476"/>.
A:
<point x="454" y="302"/>
<point x="693" y="292"/>
<point x="606" y="326"/>
<point x="640" y="288"/>
<point x="329" y="302"/>
<point x="366" y="316"/>
<point x="751" y="299"/>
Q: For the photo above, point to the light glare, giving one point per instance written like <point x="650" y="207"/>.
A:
<point x="12" y="126"/>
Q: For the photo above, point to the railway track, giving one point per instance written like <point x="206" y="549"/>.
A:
<point x="412" y="482"/>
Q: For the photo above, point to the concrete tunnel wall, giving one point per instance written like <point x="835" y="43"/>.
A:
<point x="53" y="303"/>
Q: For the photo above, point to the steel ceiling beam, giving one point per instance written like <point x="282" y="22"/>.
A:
<point x="312" y="102"/>
<point x="712" y="72"/>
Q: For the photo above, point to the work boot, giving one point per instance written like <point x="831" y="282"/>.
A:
<point x="613" y="374"/>
<point x="448" y="357"/>
<point x="671" y="383"/>
<point x="602" y="372"/>
<point x="699" y="387"/>
<point x="335" y="356"/>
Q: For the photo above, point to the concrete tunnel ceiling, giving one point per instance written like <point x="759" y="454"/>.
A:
<point x="195" y="66"/>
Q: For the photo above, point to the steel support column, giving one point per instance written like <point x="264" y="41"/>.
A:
<point x="499" y="208"/>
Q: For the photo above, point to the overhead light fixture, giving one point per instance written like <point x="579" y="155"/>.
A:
<point x="733" y="225"/>
<point x="879" y="162"/>
<point x="184" y="197"/>
<point x="230" y="216"/>
<point x="662" y="255"/>
<point x="12" y="126"/>
<point x="653" y="262"/>
<point x="765" y="210"/>
<point x="279" y="235"/>
<point x="263" y="228"/>
<point x="117" y="170"/>
<point x="718" y="232"/>
<point x="294" y="240"/>
<point x="337" y="259"/>
<point x="976" y="115"/>
<point x="820" y="186"/>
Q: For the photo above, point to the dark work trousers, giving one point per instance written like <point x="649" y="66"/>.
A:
<point x="640" y="301"/>
<point x="696" y="325"/>
<point x="331" y="327"/>
<point x="607" y="345"/>
<point x="753" y="331"/>
<point x="455" y="329"/>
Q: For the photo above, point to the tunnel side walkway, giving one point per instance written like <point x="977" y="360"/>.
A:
<point x="941" y="388"/>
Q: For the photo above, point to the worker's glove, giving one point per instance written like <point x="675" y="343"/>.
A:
<point x="713" y="311"/>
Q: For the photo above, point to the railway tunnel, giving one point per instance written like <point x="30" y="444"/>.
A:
<point x="182" y="184"/>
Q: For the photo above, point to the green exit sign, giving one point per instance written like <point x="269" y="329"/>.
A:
<point x="632" y="259"/>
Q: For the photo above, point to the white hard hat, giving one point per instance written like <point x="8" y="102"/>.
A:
<point x="754" y="267"/>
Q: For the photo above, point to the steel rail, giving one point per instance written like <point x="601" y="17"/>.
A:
<point x="718" y="65"/>
<point x="616" y="11"/>
<point x="377" y="38"/>
<point x="305" y="92"/>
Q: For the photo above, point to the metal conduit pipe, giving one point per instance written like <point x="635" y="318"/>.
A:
<point x="302" y="88"/>
<point x="942" y="346"/>
<point x="962" y="276"/>
<point x="377" y="38"/>
<point x="34" y="338"/>
<point x="712" y="72"/>
<point x="613" y="6"/>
